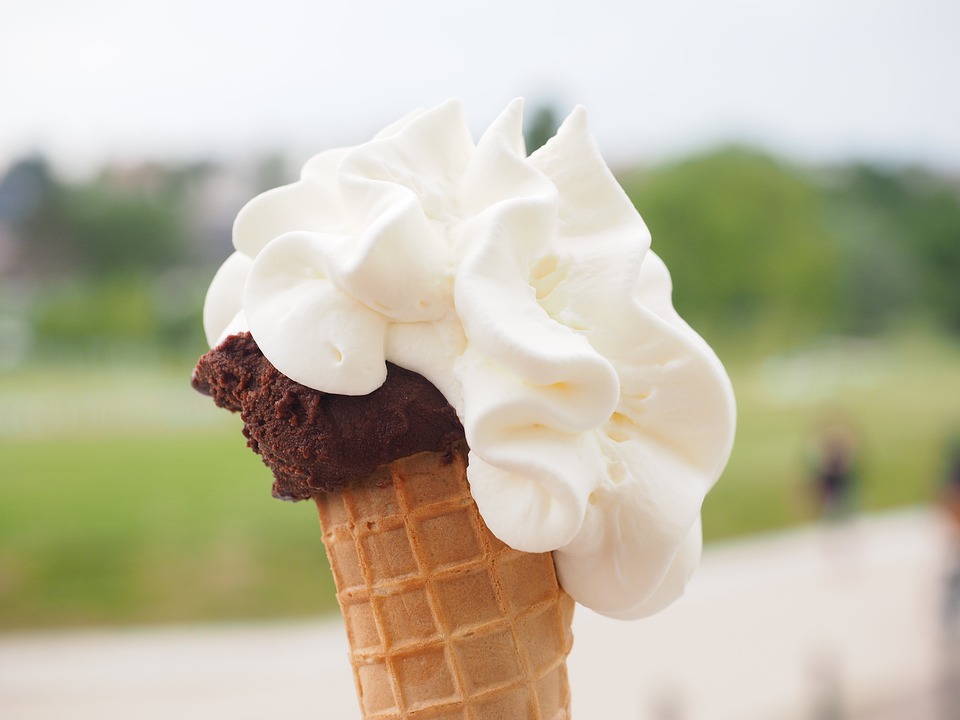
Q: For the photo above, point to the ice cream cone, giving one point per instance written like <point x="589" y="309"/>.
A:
<point x="444" y="620"/>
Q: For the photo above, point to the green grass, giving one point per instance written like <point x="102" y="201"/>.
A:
<point x="899" y="397"/>
<point x="141" y="529"/>
<point x="127" y="498"/>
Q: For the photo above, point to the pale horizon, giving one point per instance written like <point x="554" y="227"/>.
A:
<point x="815" y="81"/>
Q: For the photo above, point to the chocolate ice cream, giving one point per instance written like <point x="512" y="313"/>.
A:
<point x="317" y="442"/>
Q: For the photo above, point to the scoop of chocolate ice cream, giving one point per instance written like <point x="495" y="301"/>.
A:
<point x="316" y="442"/>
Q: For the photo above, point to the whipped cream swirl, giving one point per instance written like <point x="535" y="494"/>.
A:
<point x="525" y="290"/>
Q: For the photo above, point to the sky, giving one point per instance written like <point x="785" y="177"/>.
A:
<point x="816" y="80"/>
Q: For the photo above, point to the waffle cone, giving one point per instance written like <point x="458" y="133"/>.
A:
<point x="444" y="621"/>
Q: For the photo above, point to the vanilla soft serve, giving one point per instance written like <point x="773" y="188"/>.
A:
<point x="525" y="290"/>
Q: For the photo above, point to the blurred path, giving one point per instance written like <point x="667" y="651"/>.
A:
<point x="813" y="624"/>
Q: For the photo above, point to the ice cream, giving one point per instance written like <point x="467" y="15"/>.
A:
<point x="441" y="616"/>
<point x="317" y="443"/>
<point x="523" y="289"/>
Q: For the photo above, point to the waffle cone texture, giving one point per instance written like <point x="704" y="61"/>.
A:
<point x="445" y="622"/>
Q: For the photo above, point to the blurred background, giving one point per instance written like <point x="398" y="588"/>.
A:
<point x="798" y="164"/>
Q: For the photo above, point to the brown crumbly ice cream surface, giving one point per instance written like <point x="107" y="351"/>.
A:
<point x="316" y="442"/>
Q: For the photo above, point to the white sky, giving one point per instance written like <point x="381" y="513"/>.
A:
<point x="86" y="82"/>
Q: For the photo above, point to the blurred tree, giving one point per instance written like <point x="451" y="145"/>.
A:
<point x="117" y="229"/>
<point x="542" y="126"/>
<point x="98" y="255"/>
<point x="745" y="239"/>
<point x="30" y="202"/>
<point x="118" y="223"/>
<point x="23" y="189"/>
<point x="880" y="277"/>
<point x="936" y="217"/>
<point x="900" y="235"/>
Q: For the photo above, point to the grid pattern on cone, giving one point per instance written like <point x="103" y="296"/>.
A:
<point x="444" y="621"/>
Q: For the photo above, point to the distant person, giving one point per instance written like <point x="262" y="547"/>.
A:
<point x="950" y="503"/>
<point x="950" y="491"/>
<point x="833" y="461"/>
